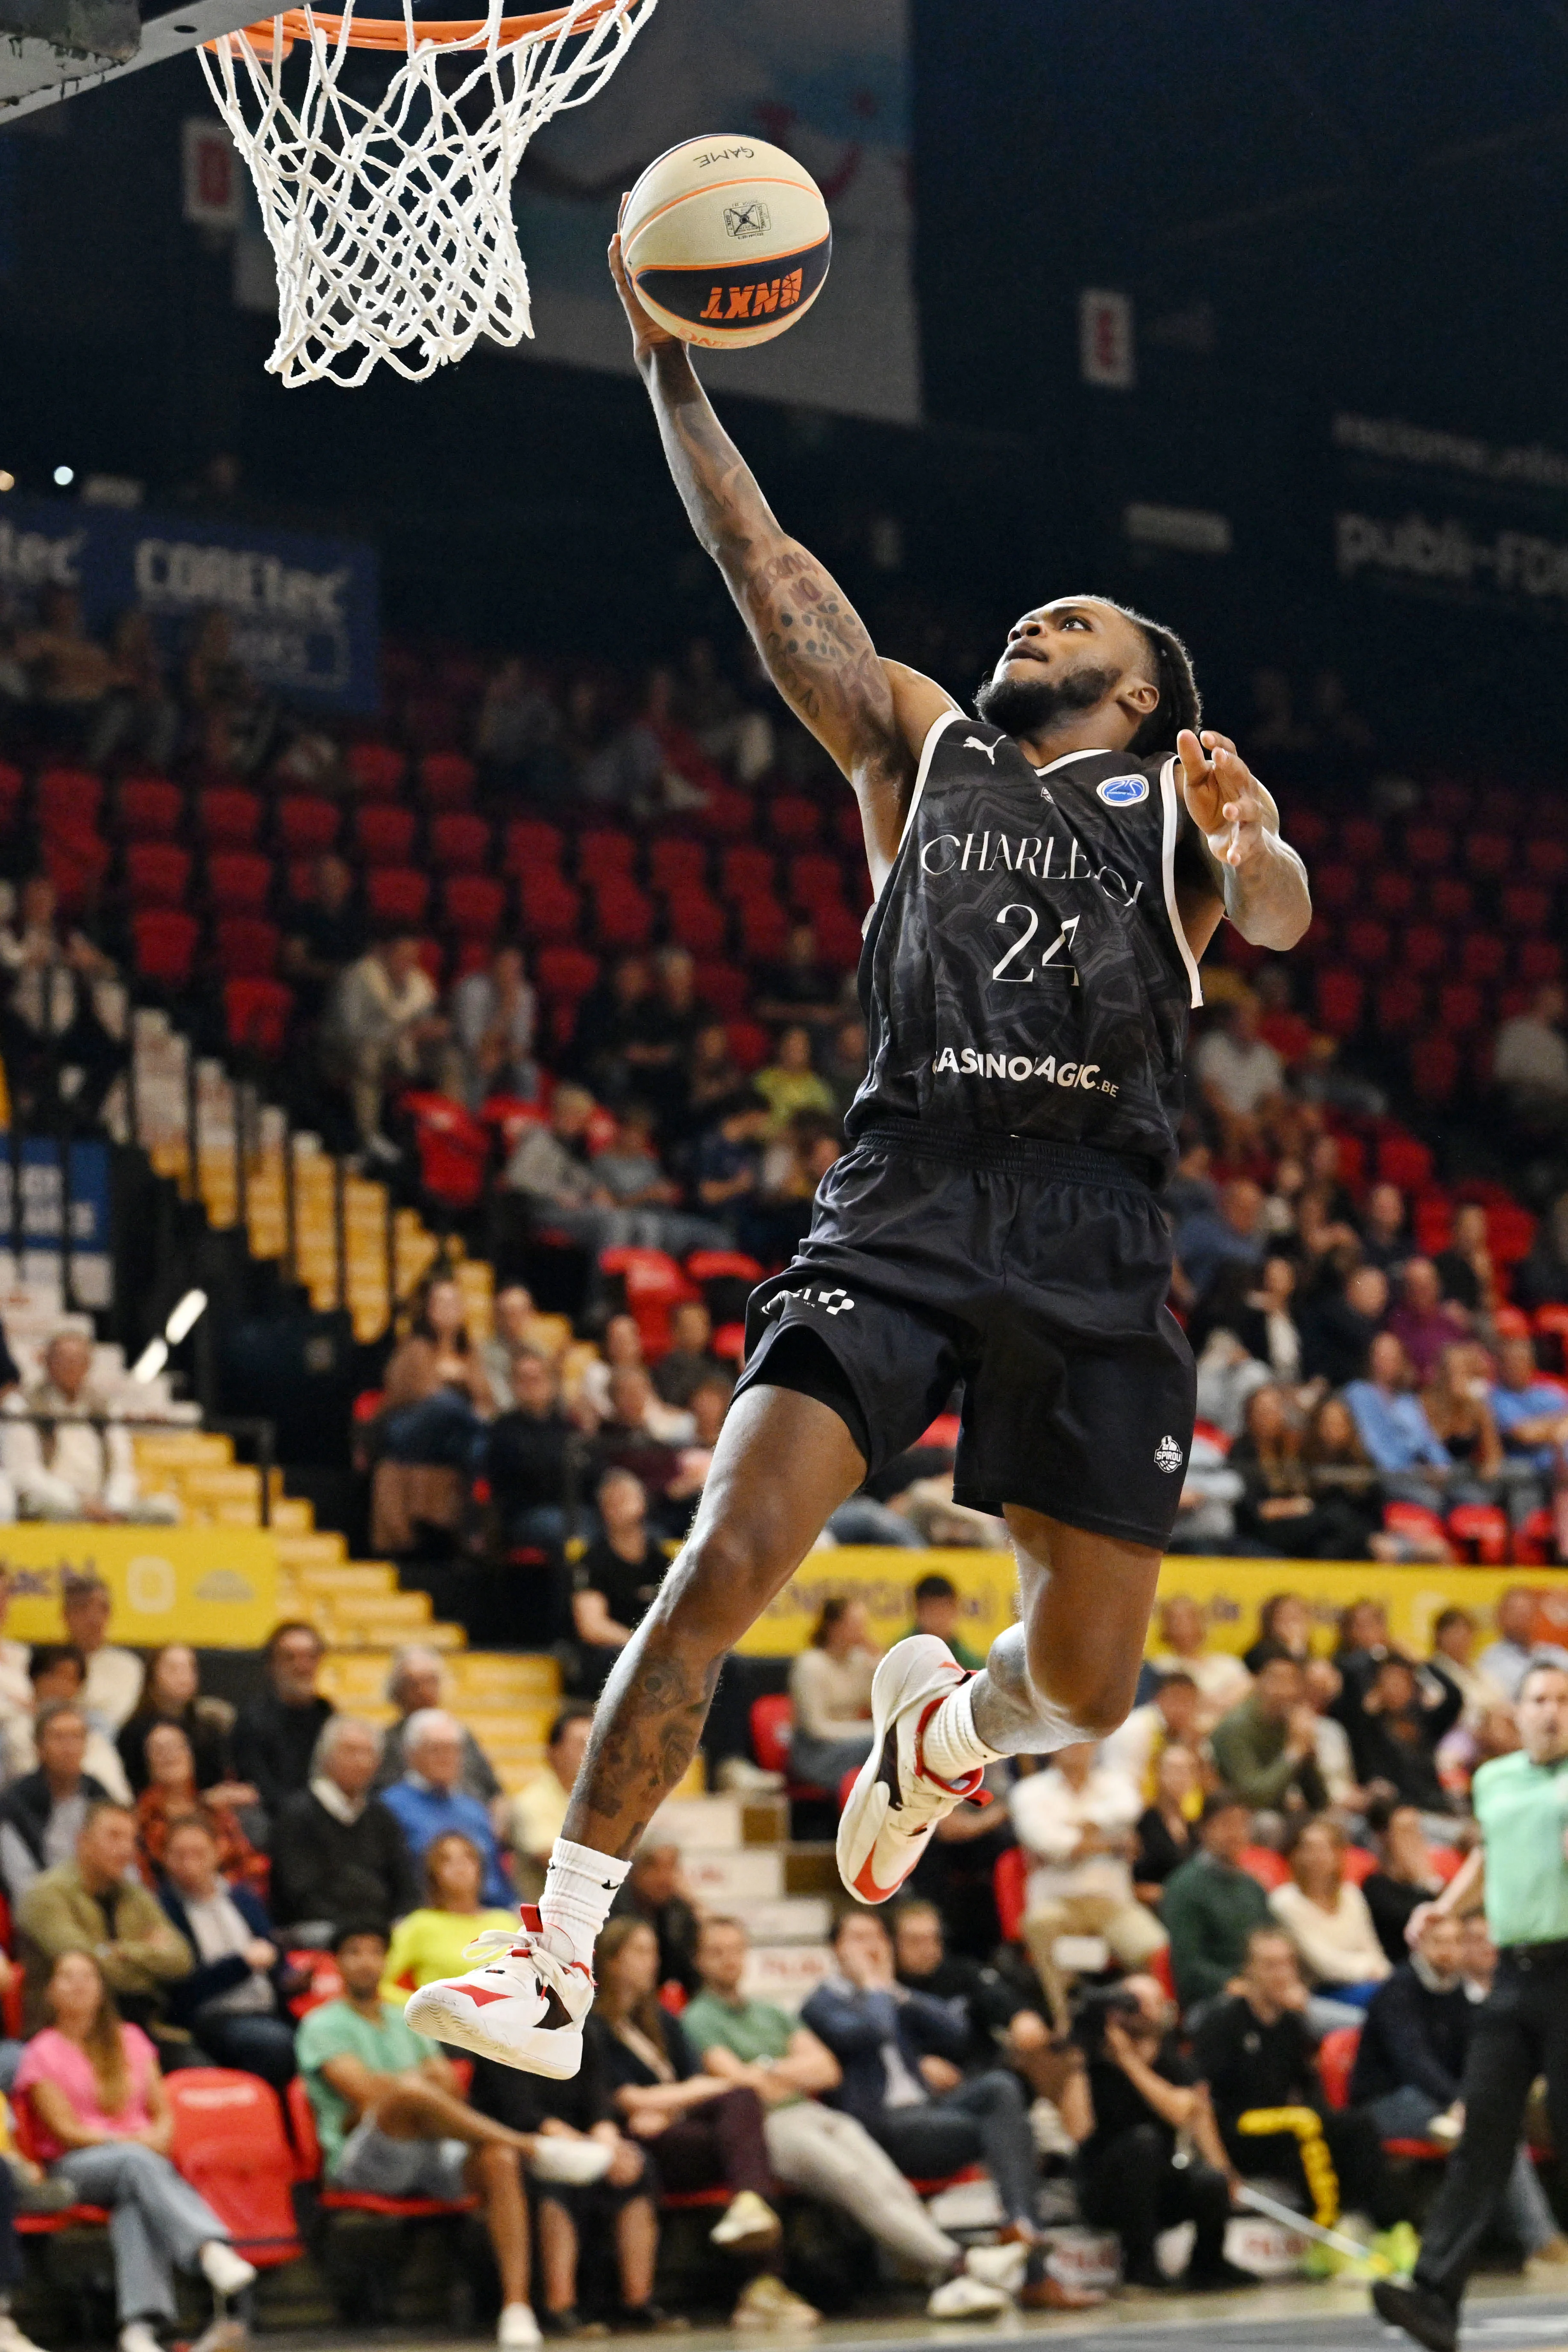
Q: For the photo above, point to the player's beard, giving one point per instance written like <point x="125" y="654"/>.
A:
<point x="1028" y="708"/>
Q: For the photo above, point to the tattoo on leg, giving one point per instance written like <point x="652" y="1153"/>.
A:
<point x="647" y="1744"/>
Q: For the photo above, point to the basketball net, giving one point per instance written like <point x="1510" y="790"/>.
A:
<point x="391" y="224"/>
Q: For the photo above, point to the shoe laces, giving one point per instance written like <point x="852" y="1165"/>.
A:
<point x="517" y="1944"/>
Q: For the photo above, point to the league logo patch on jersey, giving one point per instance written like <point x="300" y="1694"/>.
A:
<point x="1121" y="792"/>
<point x="1168" y="1456"/>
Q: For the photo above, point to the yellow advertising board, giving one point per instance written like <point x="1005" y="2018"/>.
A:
<point x="1231" y="1590"/>
<point x="213" y="1586"/>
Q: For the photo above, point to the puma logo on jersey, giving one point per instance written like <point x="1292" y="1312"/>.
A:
<point x="968" y="1062"/>
<point x="973" y="743"/>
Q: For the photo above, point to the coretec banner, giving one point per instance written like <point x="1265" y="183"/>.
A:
<point x="1230" y="1591"/>
<point x="826" y="79"/>
<point x="303" y="610"/>
<point x="215" y="1587"/>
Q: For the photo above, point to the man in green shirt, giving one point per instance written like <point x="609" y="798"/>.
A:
<point x="1521" y="1804"/>
<point x="1266" y="1748"/>
<point x="1211" y="1905"/>
<point x="815" y="2149"/>
<point x="392" y="2122"/>
<point x="938" y="1609"/>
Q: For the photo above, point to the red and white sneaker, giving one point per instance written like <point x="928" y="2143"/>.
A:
<point x="895" y="1802"/>
<point x="524" y="2006"/>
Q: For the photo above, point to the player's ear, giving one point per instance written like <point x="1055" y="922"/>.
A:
<point x="1141" y="695"/>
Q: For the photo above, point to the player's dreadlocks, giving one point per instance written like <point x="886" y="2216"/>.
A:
<point x="1180" y="704"/>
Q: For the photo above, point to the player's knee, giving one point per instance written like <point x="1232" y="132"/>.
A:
<point x="1096" y="1698"/>
<point x="735" y="1566"/>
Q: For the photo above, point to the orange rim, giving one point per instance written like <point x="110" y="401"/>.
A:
<point x="392" y="33"/>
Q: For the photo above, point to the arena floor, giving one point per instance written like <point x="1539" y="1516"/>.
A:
<point x="1503" y="2318"/>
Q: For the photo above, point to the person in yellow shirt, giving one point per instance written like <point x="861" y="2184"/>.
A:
<point x="790" y="1084"/>
<point x="430" y="1942"/>
<point x="538" y="1809"/>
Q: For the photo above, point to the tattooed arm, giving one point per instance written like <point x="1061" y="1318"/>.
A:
<point x="871" y="717"/>
<point x="1233" y="860"/>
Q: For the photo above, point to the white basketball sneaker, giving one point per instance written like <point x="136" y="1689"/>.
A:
<point x="895" y="1802"/>
<point x="524" y="2006"/>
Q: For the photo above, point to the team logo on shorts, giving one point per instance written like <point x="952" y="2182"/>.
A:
<point x="837" y="1302"/>
<point x="1168" y="1456"/>
<point x="1121" y="792"/>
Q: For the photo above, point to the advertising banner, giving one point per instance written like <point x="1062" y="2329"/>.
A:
<point x="303" y="610"/>
<point x="1450" y="517"/>
<point x="215" y="1586"/>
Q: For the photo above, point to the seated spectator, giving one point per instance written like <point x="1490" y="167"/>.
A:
<point x="1171" y="1717"/>
<point x="1266" y="1748"/>
<point x="689" y="1359"/>
<point x="1001" y="2022"/>
<point x="620" y="1347"/>
<point x="938" y="1609"/>
<point x="337" y="1853"/>
<point x="1231" y="1234"/>
<point x="417" y="1681"/>
<point x="812" y="2149"/>
<point x="1253" y="2050"/>
<point x="1241" y="1077"/>
<point x="728" y="1165"/>
<point x="393" y="2121"/>
<point x="1222" y="1679"/>
<point x="1506" y="1658"/>
<point x="58" y="1676"/>
<point x="1211" y="1905"/>
<point x="1144" y="2098"/>
<point x="899" y="2054"/>
<point x="1278" y="1509"/>
<point x="1326" y="1918"/>
<point x="114" y="1675"/>
<point x="1406" y="1876"/>
<point x="1453" y="1661"/>
<point x="64" y="1013"/>
<point x="1206" y="1514"/>
<point x="1410" y="2063"/>
<point x="1459" y="1417"/>
<point x="800" y="989"/>
<point x="1166" y="1830"/>
<point x="515" y="1324"/>
<point x="1344" y="1482"/>
<point x="1532" y="1419"/>
<point x="41" y="1816"/>
<point x="655" y="1893"/>
<point x="1384" y="1237"/>
<point x="702" y="2131"/>
<point x="1323" y="1687"/>
<point x="516" y="726"/>
<point x="172" y="1795"/>
<point x="843" y="1064"/>
<point x="1339" y="1326"/>
<point x="1395" y="1728"/>
<point x="495" y="1014"/>
<point x="1391" y="1422"/>
<point x="1529" y="1062"/>
<point x="432" y="1941"/>
<point x="172" y="1694"/>
<point x="323" y="933"/>
<point x="1267" y="1326"/>
<point x="102" y="2121"/>
<point x="74" y="1461"/>
<point x="549" y="1167"/>
<point x="630" y="1172"/>
<point x="95" y="1904"/>
<point x="637" y="1416"/>
<point x="430" y="1798"/>
<point x="1541" y="1279"/>
<point x="276" y="1733"/>
<point x="1420" y="1320"/>
<point x="829" y="1690"/>
<point x="537" y="1815"/>
<point x="382" y="1029"/>
<point x="710" y="1403"/>
<point x="1285" y="1623"/>
<point x="713" y="1076"/>
<point x="230" y="1999"/>
<point x="437" y="1396"/>
<point x="1075" y="1821"/>
<point x="16" y="1700"/>
<point x="538" y="1459"/>
<point x="790" y="1084"/>
<point x="616" y="1579"/>
<point x="1466" y="1275"/>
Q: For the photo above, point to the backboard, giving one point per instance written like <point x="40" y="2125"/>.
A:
<point x="54" y="49"/>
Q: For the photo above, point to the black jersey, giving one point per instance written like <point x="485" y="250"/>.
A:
<point x="1025" y="971"/>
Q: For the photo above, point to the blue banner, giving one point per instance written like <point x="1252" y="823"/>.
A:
<point x="303" y="610"/>
<point x="41" y="1198"/>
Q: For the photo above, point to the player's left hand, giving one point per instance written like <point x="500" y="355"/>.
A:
<point x="1222" y="796"/>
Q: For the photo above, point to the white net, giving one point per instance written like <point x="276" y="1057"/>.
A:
<point x="390" y="221"/>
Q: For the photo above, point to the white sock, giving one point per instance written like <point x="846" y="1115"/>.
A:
<point x="579" y="1888"/>
<point x="952" y="1748"/>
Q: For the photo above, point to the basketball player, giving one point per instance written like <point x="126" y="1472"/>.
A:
<point x="1047" y="877"/>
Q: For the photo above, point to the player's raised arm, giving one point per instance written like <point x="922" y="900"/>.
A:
<point x="1257" y="874"/>
<point x="813" y="643"/>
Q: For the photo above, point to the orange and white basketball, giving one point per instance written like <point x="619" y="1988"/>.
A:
<point x="726" y="241"/>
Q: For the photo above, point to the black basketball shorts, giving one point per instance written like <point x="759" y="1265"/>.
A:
<point x="1035" y="1272"/>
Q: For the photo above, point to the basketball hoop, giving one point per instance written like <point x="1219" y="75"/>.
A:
<point x="392" y="222"/>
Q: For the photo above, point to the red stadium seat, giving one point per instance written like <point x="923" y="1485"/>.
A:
<point x="772" y="1721"/>
<point x="1367" y="942"/>
<point x="1010" y="1877"/>
<point x="1393" y="890"/>
<point x="815" y="880"/>
<point x="1361" y="837"/>
<point x="1511" y="1232"/>
<point x="1526" y="906"/>
<point x="1424" y="949"/>
<point x="157" y="873"/>
<point x="229" y="817"/>
<point x="238" y="882"/>
<point x="727" y="815"/>
<point x="1450" y="899"/>
<point x="723" y="989"/>
<point x="1535" y="1540"/>
<point x="150" y="807"/>
<point x="566" y="972"/>
<point x="1402" y="1160"/>
<point x="1461" y="1008"/>
<point x="383" y="832"/>
<point x="376" y="769"/>
<point x="624" y="915"/>
<point x="256" y="1013"/>
<point x="551" y="908"/>
<point x="1539" y="960"/>
<point x="1340" y="996"/>
<point x="460" y="843"/>
<point x="447" y="780"/>
<point x="749" y="1044"/>
<point x="396" y="894"/>
<point x="1488" y="856"/>
<point x="1309" y="829"/>
<point x="1484" y="957"/>
<point x="307" y="824"/>
<point x="1269" y="1868"/>
<point x="1336" y="887"/>
<point x="531" y="843"/>
<point x="230" y="2144"/>
<point x="69" y="799"/>
<point x="747" y="872"/>
<point x="1480" y="1531"/>
<point x="246" y="947"/>
<point x="676" y="864"/>
<point x="308" y="2151"/>
<point x="696" y="921"/>
<point x="1545" y="859"/>
<point x="76" y="865"/>
<point x="838" y="937"/>
<point x="764" y="929"/>
<point x="1399" y="1006"/>
<point x="1336" y="2063"/>
<point x="1414" y="1519"/>
<point x="603" y="850"/>
<point x="473" y="905"/>
<point x="720" y="1265"/>
<point x="454" y="1149"/>
<point x="164" y="943"/>
<point x="653" y="1284"/>
<point x="1430" y="847"/>
<point x="794" y="819"/>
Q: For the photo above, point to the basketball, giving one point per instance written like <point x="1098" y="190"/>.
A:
<point x="728" y="241"/>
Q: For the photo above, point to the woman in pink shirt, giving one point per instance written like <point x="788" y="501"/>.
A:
<point x="102" y="2119"/>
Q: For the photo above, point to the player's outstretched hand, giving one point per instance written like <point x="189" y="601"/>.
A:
<point x="646" y="332"/>
<point x="1222" y="796"/>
